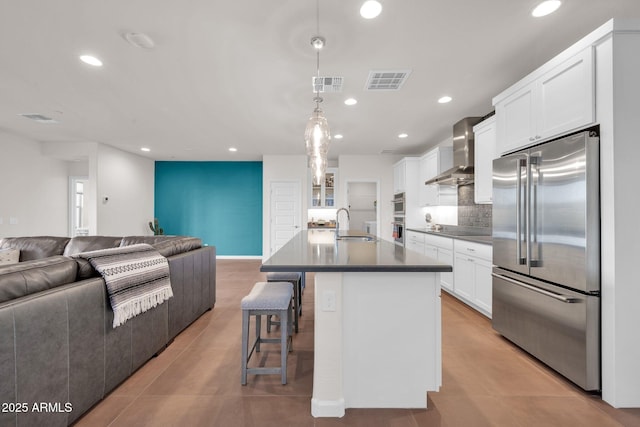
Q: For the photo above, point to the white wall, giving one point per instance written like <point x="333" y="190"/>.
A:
<point x="128" y="182"/>
<point x="33" y="189"/>
<point x="373" y="168"/>
<point x="82" y="157"/>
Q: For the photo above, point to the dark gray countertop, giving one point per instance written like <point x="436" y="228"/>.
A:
<point x="318" y="250"/>
<point x="471" y="234"/>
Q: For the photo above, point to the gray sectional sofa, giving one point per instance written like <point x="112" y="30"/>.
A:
<point x="59" y="354"/>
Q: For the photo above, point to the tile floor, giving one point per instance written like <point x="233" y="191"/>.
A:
<point x="196" y="380"/>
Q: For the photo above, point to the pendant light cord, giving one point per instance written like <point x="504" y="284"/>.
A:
<point x="316" y="86"/>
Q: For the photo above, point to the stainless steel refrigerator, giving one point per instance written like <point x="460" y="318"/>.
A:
<point x="546" y="254"/>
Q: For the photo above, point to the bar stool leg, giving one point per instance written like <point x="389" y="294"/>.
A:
<point x="258" y="330"/>
<point x="245" y="346"/>
<point x="296" y="303"/>
<point x="284" y="340"/>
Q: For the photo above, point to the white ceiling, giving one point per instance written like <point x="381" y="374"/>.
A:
<point x="238" y="73"/>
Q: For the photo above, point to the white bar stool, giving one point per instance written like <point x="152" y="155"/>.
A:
<point x="296" y="280"/>
<point x="267" y="299"/>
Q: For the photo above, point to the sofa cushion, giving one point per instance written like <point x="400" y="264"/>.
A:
<point x="33" y="276"/>
<point x="9" y="256"/>
<point x="166" y="245"/>
<point x="36" y="247"/>
<point x="91" y="243"/>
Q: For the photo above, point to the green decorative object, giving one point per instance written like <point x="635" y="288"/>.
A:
<point x="155" y="227"/>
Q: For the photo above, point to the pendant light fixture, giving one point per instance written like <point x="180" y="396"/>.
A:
<point x="317" y="135"/>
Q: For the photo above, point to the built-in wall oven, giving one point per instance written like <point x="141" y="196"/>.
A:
<point x="398" y="230"/>
<point x="398" y="205"/>
<point x="399" y="208"/>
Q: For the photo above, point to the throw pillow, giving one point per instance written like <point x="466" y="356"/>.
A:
<point x="9" y="256"/>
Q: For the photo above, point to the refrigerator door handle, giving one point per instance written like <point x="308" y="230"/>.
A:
<point x="533" y="174"/>
<point x="519" y="258"/>
<point x="559" y="297"/>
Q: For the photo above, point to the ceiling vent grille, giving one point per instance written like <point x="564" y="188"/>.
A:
<point x="327" y="84"/>
<point x="386" y="79"/>
<point x="39" y="118"/>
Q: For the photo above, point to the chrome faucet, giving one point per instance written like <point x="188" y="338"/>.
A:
<point x="338" y="220"/>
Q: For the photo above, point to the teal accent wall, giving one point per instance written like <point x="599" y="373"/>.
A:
<point x="219" y="202"/>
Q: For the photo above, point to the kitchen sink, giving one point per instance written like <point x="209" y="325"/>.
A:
<point x="358" y="238"/>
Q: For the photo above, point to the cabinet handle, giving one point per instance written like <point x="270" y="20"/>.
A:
<point x="532" y="138"/>
<point x="471" y="250"/>
<point x="470" y="260"/>
<point x="538" y="137"/>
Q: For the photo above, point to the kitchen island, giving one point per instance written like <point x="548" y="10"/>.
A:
<point x="377" y="320"/>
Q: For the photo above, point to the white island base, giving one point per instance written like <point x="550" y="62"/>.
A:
<point x="377" y="340"/>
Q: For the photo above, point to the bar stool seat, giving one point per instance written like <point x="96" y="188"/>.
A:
<point x="268" y="299"/>
<point x="295" y="279"/>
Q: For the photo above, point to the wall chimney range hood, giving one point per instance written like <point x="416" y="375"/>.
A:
<point x="463" y="155"/>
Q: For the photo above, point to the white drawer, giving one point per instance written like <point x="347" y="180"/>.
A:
<point x="474" y="249"/>
<point x="414" y="236"/>
<point x="439" y="241"/>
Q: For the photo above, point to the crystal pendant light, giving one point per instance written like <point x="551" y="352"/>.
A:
<point x="317" y="135"/>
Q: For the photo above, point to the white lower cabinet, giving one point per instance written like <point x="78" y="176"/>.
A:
<point x="414" y="241"/>
<point x="446" y="279"/>
<point x="472" y="274"/>
<point x="441" y="248"/>
<point x="470" y="280"/>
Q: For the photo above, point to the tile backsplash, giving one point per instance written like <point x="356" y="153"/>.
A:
<point x="470" y="213"/>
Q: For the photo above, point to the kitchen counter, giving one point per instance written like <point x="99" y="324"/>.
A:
<point x="377" y="324"/>
<point x="463" y="233"/>
<point x="318" y="250"/>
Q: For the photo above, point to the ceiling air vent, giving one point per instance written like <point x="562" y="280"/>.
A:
<point x="387" y="79"/>
<point x="327" y="84"/>
<point x="39" y="118"/>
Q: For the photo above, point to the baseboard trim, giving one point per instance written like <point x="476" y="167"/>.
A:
<point x="239" y="256"/>
<point x="327" y="408"/>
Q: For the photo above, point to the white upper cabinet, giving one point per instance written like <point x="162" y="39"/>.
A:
<point x="432" y="164"/>
<point x="485" y="152"/>
<point x="400" y="177"/>
<point x="559" y="100"/>
<point x="323" y="195"/>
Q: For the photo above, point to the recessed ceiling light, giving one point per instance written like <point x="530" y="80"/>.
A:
<point x="545" y="8"/>
<point x="445" y="99"/>
<point x="338" y="136"/>
<point x="91" y="60"/>
<point x="370" y="9"/>
<point x="403" y="135"/>
<point x="233" y="149"/>
<point x="350" y="101"/>
<point x="145" y="149"/>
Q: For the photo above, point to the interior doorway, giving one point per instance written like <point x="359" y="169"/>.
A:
<point x="362" y="200"/>
<point x="285" y="211"/>
<point x="78" y="218"/>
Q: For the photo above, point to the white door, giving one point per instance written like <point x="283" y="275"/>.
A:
<point x="285" y="212"/>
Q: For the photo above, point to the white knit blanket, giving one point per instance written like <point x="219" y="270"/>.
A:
<point x="137" y="278"/>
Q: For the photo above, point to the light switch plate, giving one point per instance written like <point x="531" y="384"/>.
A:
<point x="328" y="301"/>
